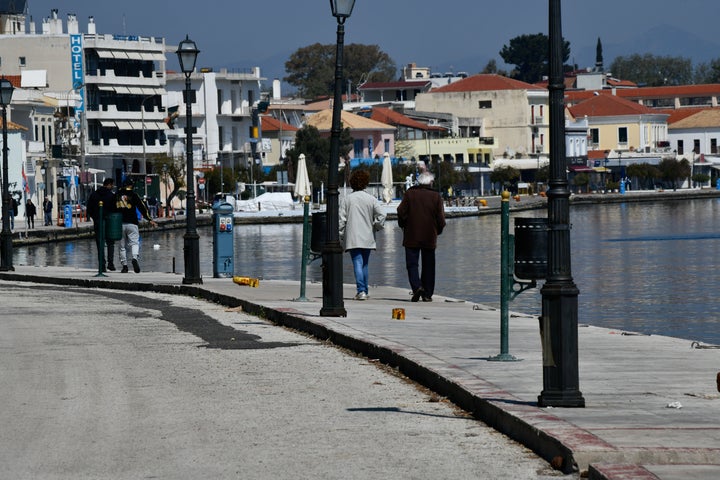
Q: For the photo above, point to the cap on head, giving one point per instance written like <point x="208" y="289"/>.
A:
<point x="128" y="182"/>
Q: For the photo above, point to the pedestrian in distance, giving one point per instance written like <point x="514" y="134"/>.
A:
<point x="13" y="211"/>
<point x="421" y="215"/>
<point x="47" y="211"/>
<point x="106" y="195"/>
<point x="360" y="216"/>
<point x="30" y="212"/>
<point x="128" y="203"/>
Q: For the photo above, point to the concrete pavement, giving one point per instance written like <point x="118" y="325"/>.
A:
<point x="653" y="408"/>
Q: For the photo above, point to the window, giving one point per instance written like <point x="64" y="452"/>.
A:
<point x="713" y="145"/>
<point x="387" y="145"/>
<point x="22" y="61"/>
<point x="680" y="148"/>
<point x="358" y="148"/>
<point x="485" y="104"/>
<point x="696" y="145"/>
<point x="595" y="136"/>
<point x="623" y="135"/>
<point x="219" y="100"/>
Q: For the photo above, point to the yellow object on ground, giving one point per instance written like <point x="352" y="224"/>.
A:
<point x="253" y="282"/>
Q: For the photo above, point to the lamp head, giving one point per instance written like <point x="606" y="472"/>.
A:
<point x="187" y="53"/>
<point x="6" y="91"/>
<point x="341" y="9"/>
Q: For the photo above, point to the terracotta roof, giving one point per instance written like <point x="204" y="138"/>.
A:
<point x="13" y="126"/>
<point x="595" y="154"/>
<point x="270" y="124"/>
<point x="391" y="117"/>
<point x="608" y="105"/>
<point x="681" y="90"/>
<point x="393" y="85"/>
<point x="708" y="118"/>
<point x="323" y="121"/>
<point x="485" y="82"/>
<point x="677" y="114"/>
<point x="614" y="82"/>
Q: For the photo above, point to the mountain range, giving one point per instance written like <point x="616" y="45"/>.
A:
<point x="663" y="40"/>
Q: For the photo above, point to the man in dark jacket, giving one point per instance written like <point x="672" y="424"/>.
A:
<point x="129" y="203"/>
<point x="105" y="195"/>
<point x="421" y="215"/>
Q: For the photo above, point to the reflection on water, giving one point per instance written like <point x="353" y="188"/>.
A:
<point x="648" y="268"/>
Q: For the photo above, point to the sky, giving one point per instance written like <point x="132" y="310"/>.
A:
<point x="447" y="35"/>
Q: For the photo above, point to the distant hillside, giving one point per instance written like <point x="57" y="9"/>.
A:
<point x="663" y="41"/>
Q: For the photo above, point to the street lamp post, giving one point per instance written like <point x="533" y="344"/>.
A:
<point x="187" y="53"/>
<point x="143" y="167"/>
<point x="165" y="174"/>
<point x="222" y="181"/>
<point x="559" y="320"/>
<point x="332" y="249"/>
<point x="6" y="264"/>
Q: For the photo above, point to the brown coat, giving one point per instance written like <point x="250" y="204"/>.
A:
<point x="421" y="216"/>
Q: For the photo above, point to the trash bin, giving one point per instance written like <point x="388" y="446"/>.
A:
<point x="223" y="244"/>
<point x="531" y="245"/>
<point x="68" y="215"/>
<point x="319" y="231"/>
<point x="113" y="227"/>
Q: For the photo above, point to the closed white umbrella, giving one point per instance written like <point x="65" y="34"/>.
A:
<point x="302" y="189"/>
<point x="387" y="178"/>
<point x="302" y="181"/>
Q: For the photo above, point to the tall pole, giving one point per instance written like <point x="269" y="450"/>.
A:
<point x="333" y="305"/>
<point x="6" y="235"/>
<point x="559" y="321"/>
<point x="191" y="247"/>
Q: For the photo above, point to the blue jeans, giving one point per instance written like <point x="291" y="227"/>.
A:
<point x="360" y="257"/>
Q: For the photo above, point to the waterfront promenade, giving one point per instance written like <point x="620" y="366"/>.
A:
<point x="653" y="408"/>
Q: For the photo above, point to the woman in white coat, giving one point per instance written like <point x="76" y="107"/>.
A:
<point x="360" y="217"/>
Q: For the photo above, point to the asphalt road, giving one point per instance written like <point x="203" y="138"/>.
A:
<point x="116" y="385"/>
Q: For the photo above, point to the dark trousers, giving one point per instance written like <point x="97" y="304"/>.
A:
<point x="426" y="279"/>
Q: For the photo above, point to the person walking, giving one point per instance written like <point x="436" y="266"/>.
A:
<point x="129" y="203"/>
<point x="360" y="217"/>
<point x="47" y="211"/>
<point x="421" y="215"/>
<point x="13" y="211"/>
<point x="30" y="212"/>
<point x="105" y="195"/>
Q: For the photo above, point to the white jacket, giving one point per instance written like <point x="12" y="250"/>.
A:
<point x="360" y="217"/>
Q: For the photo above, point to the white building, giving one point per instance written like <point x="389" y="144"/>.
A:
<point x="221" y="116"/>
<point x="106" y="94"/>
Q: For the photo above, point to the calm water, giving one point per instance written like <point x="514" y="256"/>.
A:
<point x="649" y="267"/>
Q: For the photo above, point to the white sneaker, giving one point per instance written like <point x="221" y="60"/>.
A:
<point x="361" y="296"/>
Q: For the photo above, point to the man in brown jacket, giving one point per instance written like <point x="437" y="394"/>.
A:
<point x="422" y="217"/>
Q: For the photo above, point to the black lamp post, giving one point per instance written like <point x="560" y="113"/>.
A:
<point x="6" y="91"/>
<point x="332" y="249"/>
<point x="559" y="321"/>
<point x="187" y="53"/>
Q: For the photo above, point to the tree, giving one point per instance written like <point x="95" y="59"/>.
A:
<point x="316" y="148"/>
<point x="645" y="173"/>
<point x="672" y="170"/>
<point x="506" y="176"/>
<point x="312" y="69"/>
<point x="175" y="173"/>
<point x="530" y="54"/>
<point x="653" y="71"/>
<point x="708" y="72"/>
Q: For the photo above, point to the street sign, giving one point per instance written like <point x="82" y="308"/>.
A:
<point x="201" y="180"/>
<point x="148" y="180"/>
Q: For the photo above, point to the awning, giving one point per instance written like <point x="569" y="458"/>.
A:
<point x="519" y="163"/>
<point x="123" y="125"/>
<point x="104" y="53"/>
<point x="580" y="168"/>
<point x="107" y="124"/>
<point x="601" y="169"/>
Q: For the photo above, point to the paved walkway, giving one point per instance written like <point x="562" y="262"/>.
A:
<point x="653" y="408"/>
